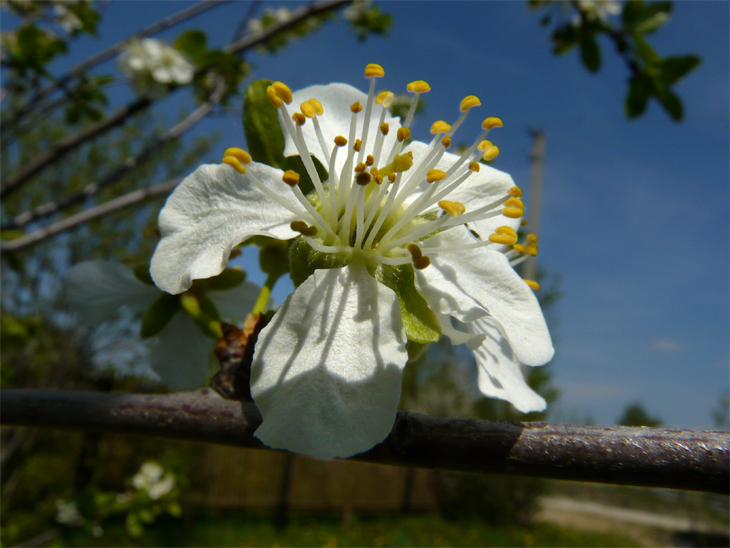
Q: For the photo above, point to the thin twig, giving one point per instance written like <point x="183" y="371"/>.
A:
<point x="130" y="163"/>
<point x="14" y="181"/>
<point x="105" y="54"/>
<point x="656" y="457"/>
<point x="111" y="206"/>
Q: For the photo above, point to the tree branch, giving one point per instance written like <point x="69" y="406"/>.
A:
<point x="14" y="181"/>
<point x="111" y="206"/>
<point x="130" y="163"/>
<point x="677" y="459"/>
<point x="105" y="54"/>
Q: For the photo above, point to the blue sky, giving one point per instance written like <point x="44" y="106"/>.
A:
<point x="634" y="215"/>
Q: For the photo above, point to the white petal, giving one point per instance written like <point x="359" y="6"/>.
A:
<point x="457" y="337"/>
<point x="471" y="283"/>
<point x="211" y="211"/>
<point x="500" y="374"/>
<point x="234" y="304"/>
<point x="327" y="370"/>
<point x="97" y="289"/>
<point x="181" y="353"/>
<point x="480" y="189"/>
<point x="336" y="100"/>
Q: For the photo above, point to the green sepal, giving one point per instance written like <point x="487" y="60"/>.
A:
<point x="265" y="138"/>
<point x="142" y="273"/>
<point x="418" y="319"/>
<point x="303" y="261"/>
<point x="228" y="279"/>
<point x="158" y="315"/>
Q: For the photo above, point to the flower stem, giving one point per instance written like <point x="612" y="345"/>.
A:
<point x="263" y="299"/>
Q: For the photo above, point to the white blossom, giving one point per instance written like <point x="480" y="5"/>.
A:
<point x="152" y="65"/>
<point x="67" y="513"/>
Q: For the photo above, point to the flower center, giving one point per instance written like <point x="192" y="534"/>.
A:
<point x="385" y="203"/>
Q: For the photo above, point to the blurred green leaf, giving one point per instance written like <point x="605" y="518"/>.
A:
<point x="158" y="315"/>
<point x="674" y="68"/>
<point x="228" y="279"/>
<point x="640" y="89"/>
<point x="590" y="53"/>
<point x="632" y="12"/>
<point x="194" y="44"/>
<point x="671" y="103"/>
<point x="142" y="273"/>
<point x="646" y="52"/>
<point x="564" y="38"/>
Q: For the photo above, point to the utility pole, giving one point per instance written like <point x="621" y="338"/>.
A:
<point x="537" y="155"/>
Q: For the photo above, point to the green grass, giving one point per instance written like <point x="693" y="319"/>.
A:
<point x="417" y="530"/>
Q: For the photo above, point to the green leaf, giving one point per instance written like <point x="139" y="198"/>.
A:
<point x="652" y="16"/>
<point x="646" y="52"/>
<point x="590" y="53"/>
<point x="228" y="279"/>
<point x="194" y="44"/>
<point x="203" y="313"/>
<point x="564" y="38"/>
<point x="671" y="103"/>
<point x="261" y="126"/>
<point x="142" y="273"/>
<point x="274" y="258"/>
<point x="158" y="315"/>
<point x="674" y="68"/>
<point x="305" y="181"/>
<point x="418" y="319"/>
<point x="632" y="12"/>
<point x="640" y="89"/>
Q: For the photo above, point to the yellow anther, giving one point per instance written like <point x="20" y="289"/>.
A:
<point x="453" y="208"/>
<point x="283" y="91"/>
<point x="531" y="249"/>
<point x="402" y="162"/>
<point x="504" y="239"/>
<point x="291" y="178"/>
<point x="506" y="230"/>
<point x="392" y="177"/>
<point x="299" y="118"/>
<point x="308" y="109"/>
<point x="356" y="107"/>
<point x="359" y="168"/>
<point x="374" y="70"/>
<point x="415" y="251"/>
<point x="421" y="263"/>
<point x="419" y="86"/>
<point x="384" y="128"/>
<point x="513" y="212"/>
<point x="491" y="154"/>
<point x="384" y="98"/>
<point x="357" y="146"/>
<point x="234" y="163"/>
<point x="243" y="156"/>
<point x="273" y="97"/>
<point x="485" y="145"/>
<point x="532" y="238"/>
<point x="376" y="175"/>
<point x="533" y="285"/>
<point x="470" y="101"/>
<point x="439" y="126"/>
<point x="515" y="192"/>
<point x="318" y="108"/>
<point x="491" y="122"/>
<point x="446" y="141"/>
<point x="303" y="228"/>
<point x="369" y="160"/>
<point x="523" y="222"/>
<point x="515" y="202"/>
<point x="363" y="178"/>
<point x="474" y="166"/>
<point x="435" y="175"/>
<point x="519" y="248"/>
<point x="340" y="141"/>
<point x="403" y="133"/>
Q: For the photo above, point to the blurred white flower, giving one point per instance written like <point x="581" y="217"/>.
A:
<point x="162" y="487"/>
<point x="150" y="478"/>
<point x="356" y="9"/>
<point x="68" y="20"/>
<point x="150" y="62"/>
<point x="598" y="9"/>
<point x="67" y="513"/>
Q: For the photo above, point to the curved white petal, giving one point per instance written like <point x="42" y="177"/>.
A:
<point x="180" y="354"/>
<point x="480" y="189"/>
<point x="471" y="283"/>
<point x="500" y="374"/>
<point x="327" y="370"/>
<point x="97" y="289"/>
<point x="457" y="337"/>
<point x="235" y="304"/>
<point x="336" y="100"/>
<point x="211" y="211"/>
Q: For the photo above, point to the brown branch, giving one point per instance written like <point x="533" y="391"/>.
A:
<point x="111" y="206"/>
<point x="105" y="54"/>
<point x="677" y="459"/>
<point x="14" y="181"/>
<point x="130" y="163"/>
